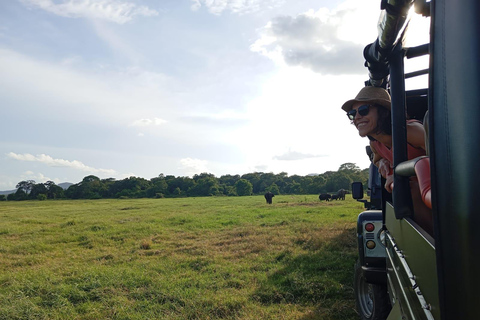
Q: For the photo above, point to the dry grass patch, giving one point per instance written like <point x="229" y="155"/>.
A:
<point x="146" y="244"/>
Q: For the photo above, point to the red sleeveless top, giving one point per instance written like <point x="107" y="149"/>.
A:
<point x="387" y="153"/>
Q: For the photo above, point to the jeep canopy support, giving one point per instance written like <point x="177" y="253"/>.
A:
<point x="402" y="198"/>
<point x="391" y="27"/>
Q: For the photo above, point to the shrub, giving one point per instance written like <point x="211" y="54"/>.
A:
<point x="42" y="197"/>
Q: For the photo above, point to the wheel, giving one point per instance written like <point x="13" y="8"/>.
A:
<point x="371" y="299"/>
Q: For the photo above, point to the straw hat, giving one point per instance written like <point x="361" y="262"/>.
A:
<point x="374" y="95"/>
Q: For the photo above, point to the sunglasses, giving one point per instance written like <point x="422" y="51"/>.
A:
<point x="362" y="110"/>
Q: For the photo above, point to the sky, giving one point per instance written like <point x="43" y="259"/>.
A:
<point x="120" y="88"/>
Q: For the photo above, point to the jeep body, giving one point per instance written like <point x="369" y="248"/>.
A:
<point x="411" y="273"/>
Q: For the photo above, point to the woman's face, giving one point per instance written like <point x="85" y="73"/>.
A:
<point x="367" y="124"/>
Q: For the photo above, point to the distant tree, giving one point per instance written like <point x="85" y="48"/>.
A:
<point x="107" y="185"/>
<point x="294" y="184"/>
<point x="227" y="184"/>
<point x="54" y="191"/>
<point x="317" y="185"/>
<point x="293" y="188"/>
<point x="20" y="194"/>
<point x="254" y="179"/>
<point x="273" y="188"/>
<point x="3" y="197"/>
<point x="11" y="196"/>
<point x="281" y="180"/>
<point x="228" y="179"/>
<point x="351" y="167"/>
<point x="91" y="187"/>
<point x="243" y="187"/>
<point x="74" y="192"/>
<point x="229" y="190"/>
<point x="206" y="185"/>
<point x="132" y="187"/>
<point x="158" y="185"/>
<point x="338" y="180"/>
<point x="49" y="184"/>
<point x="364" y="177"/>
<point x="37" y="190"/>
<point x="203" y="175"/>
<point x="182" y="183"/>
<point x="90" y="178"/>
<point x="266" y="179"/>
<point x="26" y="185"/>
<point x="177" y="192"/>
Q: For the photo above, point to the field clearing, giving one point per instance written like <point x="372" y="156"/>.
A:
<point x="184" y="258"/>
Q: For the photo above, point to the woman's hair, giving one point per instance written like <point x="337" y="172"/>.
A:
<point x="384" y="121"/>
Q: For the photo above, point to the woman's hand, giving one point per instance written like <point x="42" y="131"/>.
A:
<point x="384" y="168"/>
<point x="389" y="183"/>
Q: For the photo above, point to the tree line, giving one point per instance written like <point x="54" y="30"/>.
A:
<point x="204" y="184"/>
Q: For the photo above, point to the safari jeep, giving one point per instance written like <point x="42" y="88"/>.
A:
<point x="403" y="271"/>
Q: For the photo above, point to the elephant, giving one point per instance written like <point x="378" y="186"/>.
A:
<point x="268" y="197"/>
<point x="325" y="196"/>
<point x="341" y="194"/>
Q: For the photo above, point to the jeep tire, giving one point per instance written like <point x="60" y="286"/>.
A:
<point x="371" y="300"/>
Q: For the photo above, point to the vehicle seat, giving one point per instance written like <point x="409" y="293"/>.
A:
<point x="422" y="170"/>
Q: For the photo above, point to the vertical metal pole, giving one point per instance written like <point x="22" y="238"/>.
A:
<point x="402" y="198"/>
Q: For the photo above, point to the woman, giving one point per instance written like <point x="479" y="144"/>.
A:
<point x="370" y="112"/>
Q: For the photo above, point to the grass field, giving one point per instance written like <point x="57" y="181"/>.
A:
<point x="188" y="258"/>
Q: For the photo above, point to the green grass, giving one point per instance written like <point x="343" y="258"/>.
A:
<point x="190" y="258"/>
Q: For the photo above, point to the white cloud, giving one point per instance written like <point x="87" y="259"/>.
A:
<point x="148" y="122"/>
<point x="226" y="118"/>
<point x="295" y="155"/>
<point x="37" y="177"/>
<point x="71" y="61"/>
<point x="52" y="162"/>
<point x="328" y="41"/>
<point x="108" y="95"/>
<point x="196" y="5"/>
<point x="260" y="168"/>
<point x="318" y="40"/>
<point x="236" y="6"/>
<point x="193" y="166"/>
<point x="110" y="10"/>
<point x="8" y="182"/>
<point x="266" y="45"/>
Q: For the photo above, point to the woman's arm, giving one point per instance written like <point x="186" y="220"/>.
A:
<point x="416" y="134"/>
<point x="384" y="168"/>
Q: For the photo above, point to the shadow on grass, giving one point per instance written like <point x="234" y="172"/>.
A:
<point x="320" y="280"/>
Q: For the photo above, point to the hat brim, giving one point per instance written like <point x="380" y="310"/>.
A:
<point x="347" y="106"/>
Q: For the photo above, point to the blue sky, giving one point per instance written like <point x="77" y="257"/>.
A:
<point x="119" y="88"/>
